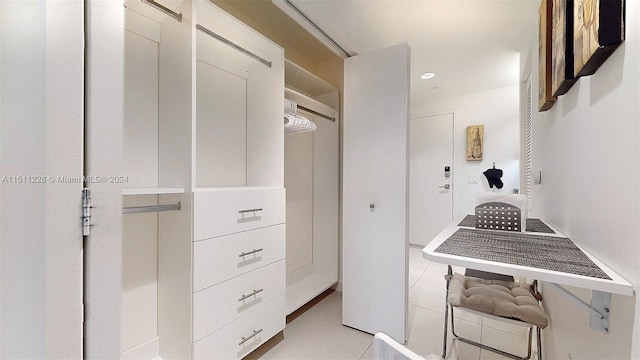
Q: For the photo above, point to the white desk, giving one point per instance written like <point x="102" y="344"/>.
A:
<point x="601" y="289"/>
<point x="617" y="285"/>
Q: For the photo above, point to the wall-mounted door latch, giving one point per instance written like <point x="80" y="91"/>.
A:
<point x="86" y="212"/>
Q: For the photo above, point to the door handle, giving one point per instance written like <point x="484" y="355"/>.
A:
<point x="445" y="186"/>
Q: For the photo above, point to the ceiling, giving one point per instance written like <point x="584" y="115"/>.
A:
<point x="471" y="45"/>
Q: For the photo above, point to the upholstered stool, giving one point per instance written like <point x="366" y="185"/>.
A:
<point x="501" y="300"/>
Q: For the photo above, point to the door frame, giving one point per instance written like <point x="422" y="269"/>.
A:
<point x="104" y="113"/>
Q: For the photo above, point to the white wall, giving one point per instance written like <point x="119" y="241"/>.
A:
<point x="1" y="170"/>
<point x="588" y="147"/>
<point x="298" y="180"/>
<point x="140" y="161"/>
<point x="1" y="46"/>
<point x="41" y="113"/>
<point x="499" y="111"/>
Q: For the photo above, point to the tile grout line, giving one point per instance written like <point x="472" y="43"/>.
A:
<point x="365" y="350"/>
<point x="435" y="311"/>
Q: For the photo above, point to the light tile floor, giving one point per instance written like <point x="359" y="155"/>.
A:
<point x="318" y="333"/>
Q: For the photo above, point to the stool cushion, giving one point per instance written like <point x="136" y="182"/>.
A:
<point x="495" y="297"/>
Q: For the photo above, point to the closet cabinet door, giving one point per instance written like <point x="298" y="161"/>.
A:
<point x="375" y="201"/>
<point x="215" y="136"/>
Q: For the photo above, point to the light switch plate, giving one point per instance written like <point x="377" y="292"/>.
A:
<point x="472" y="179"/>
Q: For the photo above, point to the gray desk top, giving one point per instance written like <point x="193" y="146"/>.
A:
<point x="546" y="252"/>
<point x="550" y="257"/>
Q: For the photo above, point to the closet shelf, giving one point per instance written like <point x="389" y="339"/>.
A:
<point x="310" y="103"/>
<point x="301" y="79"/>
<point x="151" y="191"/>
<point x="304" y="290"/>
<point x="231" y="188"/>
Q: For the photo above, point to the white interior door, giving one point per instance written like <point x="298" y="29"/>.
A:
<point x="375" y="177"/>
<point x="431" y="193"/>
<point x="41" y="128"/>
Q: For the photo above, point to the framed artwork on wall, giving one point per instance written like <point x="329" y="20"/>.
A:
<point x="545" y="96"/>
<point x="562" y="74"/>
<point x="475" y="141"/>
<point x="598" y="30"/>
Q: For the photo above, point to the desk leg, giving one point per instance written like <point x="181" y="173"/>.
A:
<point x="446" y="312"/>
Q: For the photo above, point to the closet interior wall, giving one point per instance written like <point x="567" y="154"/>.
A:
<point x="153" y="138"/>
<point x="203" y="128"/>
<point x="312" y="181"/>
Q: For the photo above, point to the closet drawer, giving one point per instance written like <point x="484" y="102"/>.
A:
<point x="218" y="259"/>
<point x="235" y="340"/>
<point x="228" y="211"/>
<point x="216" y="306"/>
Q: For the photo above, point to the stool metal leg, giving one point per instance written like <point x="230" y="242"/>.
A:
<point x="446" y="312"/>
<point x="539" y="343"/>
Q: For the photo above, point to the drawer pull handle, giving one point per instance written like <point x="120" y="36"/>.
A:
<point x="248" y="211"/>
<point x="250" y="252"/>
<point x="245" y="339"/>
<point x="255" y="292"/>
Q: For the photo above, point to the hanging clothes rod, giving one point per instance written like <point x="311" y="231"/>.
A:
<point x="164" y="9"/>
<point x="152" y="208"/>
<point x="316" y="113"/>
<point x="233" y="45"/>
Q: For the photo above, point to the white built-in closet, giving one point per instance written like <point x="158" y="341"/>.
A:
<point x="204" y="225"/>
<point x="312" y="181"/>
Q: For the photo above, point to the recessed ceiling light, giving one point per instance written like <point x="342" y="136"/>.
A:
<point x="427" y="76"/>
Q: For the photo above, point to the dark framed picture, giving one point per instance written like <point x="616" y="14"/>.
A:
<point x="562" y="74"/>
<point x="598" y="31"/>
<point x="545" y="96"/>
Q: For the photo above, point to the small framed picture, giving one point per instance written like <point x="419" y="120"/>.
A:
<point x="475" y="140"/>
